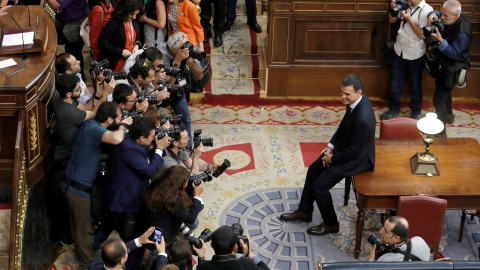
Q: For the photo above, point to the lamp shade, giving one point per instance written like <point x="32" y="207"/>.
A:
<point x="430" y="124"/>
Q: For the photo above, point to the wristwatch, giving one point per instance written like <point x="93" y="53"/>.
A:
<point x="175" y="64"/>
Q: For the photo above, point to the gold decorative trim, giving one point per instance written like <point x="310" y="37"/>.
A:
<point x="341" y="10"/>
<point x="280" y="6"/>
<point x="8" y="99"/>
<point x="22" y="198"/>
<point x="311" y="4"/>
<point x="33" y="132"/>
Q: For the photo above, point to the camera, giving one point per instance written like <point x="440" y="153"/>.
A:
<point x="174" y="119"/>
<point x="374" y="240"/>
<point x="108" y="74"/>
<point x="197" y="139"/>
<point x="174" y="72"/>
<point x="99" y="66"/>
<point x="225" y="165"/>
<point x="428" y="30"/>
<point x="171" y="132"/>
<point x="173" y="89"/>
<point x="238" y="231"/>
<point x="185" y="231"/>
<point x="206" y="236"/>
<point x="192" y="53"/>
<point x="152" y="99"/>
<point x="400" y="5"/>
<point x="156" y="235"/>
<point x="126" y="114"/>
<point x="103" y="164"/>
<point x="197" y="179"/>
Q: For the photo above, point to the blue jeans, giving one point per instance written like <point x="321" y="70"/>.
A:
<point x="251" y="10"/>
<point x="182" y="108"/>
<point x="400" y="69"/>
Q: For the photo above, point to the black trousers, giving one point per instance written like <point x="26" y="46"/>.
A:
<point x="317" y="187"/>
<point x="442" y="98"/>
<point x="218" y="17"/>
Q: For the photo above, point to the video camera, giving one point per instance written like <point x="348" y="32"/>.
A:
<point x="174" y="119"/>
<point x="170" y="71"/>
<point x="99" y="66"/>
<point x="171" y="132"/>
<point x="126" y="114"/>
<point x="400" y="6"/>
<point x="192" y="53"/>
<point x="197" y="139"/>
<point x="238" y="231"/>
<point x="119" y="75"/>
<point x="374" y="240"/>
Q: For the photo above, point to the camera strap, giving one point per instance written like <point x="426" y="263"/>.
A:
<point x="407" y="254"/>
<point x="405" y="21"/>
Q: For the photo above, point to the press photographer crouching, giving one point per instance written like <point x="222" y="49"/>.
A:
<point x="394" y="244"/>
<point x="226" y="241"/>
<point x="453" y="58"/>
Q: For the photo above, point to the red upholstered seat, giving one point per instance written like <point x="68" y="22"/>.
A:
<point x="400" y="127"/>
<point x="426" y="216"/>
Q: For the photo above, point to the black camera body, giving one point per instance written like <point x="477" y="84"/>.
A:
<point x="171" y="132"/>
<point x="197" y="139"/>
<point x="103" y="164"/>
<point x="238" y="231"/>
<point x="206" y="236"/>
<point x="436" y="24"/>
<point x="99" y="66"/>
<point x="173" y="89"/>
<point x="192" y="53"/>
<point x="400" y="6"/>
<point x="225" y="165"/>
<point x="126" y="114"/>
<point x="119" y="75"/>
<point x="174" y="72"/>
<point x="197" y="179"/>
<point x="174" y="119"/>
<point x="374" y="240"/>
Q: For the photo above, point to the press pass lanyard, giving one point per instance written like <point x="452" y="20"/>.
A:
<point x="411" y="15"/>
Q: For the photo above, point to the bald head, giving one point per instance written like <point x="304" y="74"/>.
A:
<point x="400" y="228"/>
<point x="114" y="253"/>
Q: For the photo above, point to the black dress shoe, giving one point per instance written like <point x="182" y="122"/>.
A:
<point x="218" y="41"/>
<point x="207" y="37"/>
<point x="323" y="230"/>
<point x="255" y="27"/>
<point x="228" y="25"/>
<point x="296" y="216"/>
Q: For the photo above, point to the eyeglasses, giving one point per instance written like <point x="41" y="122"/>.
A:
<point x="179" y="39"/>
<point x="133" y="100"/>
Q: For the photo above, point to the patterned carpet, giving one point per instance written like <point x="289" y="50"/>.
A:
<point x="270" y="148"/>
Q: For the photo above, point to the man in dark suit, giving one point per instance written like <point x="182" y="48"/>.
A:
<point x="350" y="151"/>
<point x="224" y="243"/>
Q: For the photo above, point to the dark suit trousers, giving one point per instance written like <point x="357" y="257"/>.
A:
<point x="317" y="189"/>
<point x="218" y="16"/>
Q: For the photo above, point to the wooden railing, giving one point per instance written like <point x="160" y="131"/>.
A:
<point x="19" y="197"/>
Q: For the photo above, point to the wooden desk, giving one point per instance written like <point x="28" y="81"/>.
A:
<point x="459" y="160"/>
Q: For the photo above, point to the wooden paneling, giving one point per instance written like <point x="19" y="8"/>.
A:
<point x="313" y="45"/>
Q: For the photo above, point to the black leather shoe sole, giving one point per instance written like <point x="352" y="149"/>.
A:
<point x="323" y="230"/>
<point x="290" y="217"/>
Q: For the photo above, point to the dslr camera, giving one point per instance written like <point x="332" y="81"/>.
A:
<point x="374" y="240"/>
<point x="99" y="66"/>
<point x="238" y="231"/>
<point x="400" y="6"/>
<point x="225" y="165"/>
<point x="173" y="89"/>
<point x="108" y="74"/>
<point x="192" y="53"/>
<point x="206" y="235"/>
<point x="126" y="114"/>
<point x="174" y="119"/>
<point x="197" y="139"/>
<point x="170" y="71"/>
<point x="436" y="24"/>
<point x="171" y="132"/>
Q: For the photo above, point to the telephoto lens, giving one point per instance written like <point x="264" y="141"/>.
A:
<point x="225" y="165"/>
<point x="185" y="230"/>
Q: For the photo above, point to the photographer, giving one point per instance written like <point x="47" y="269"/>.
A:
<point x="167" y="205"/>
<point x="176" y="154"/>
<point x="224" y="243"/>
<point x="409" y="54"/>
<point x="82" y="170"/>
<point x="130" y="167"/>
<point x="454" y="56"/>
<point x="126" y="98"/>
<point x="142" y="77"/>
<point x="395" y="243"/>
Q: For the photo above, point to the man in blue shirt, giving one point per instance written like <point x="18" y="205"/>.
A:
<point x="81" y="172"/>
<point x="454" y="54"/>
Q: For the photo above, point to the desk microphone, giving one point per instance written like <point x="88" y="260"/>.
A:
<point x="28" y="13"/>
<point x="24" y="57"/>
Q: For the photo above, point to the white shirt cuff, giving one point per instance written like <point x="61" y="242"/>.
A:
<point x="331" y="146"/>
<point x="159" y="151"/>
<point x="198" y="198"/>
<point x="162" y="254"/>
<point x="137" y="243"/>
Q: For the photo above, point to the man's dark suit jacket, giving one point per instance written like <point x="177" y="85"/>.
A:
<point x="354" y="141"/>
<point x="128" y="175"/>
<point x="113" y="39"/>
<point x="230" y="262"/>
<point x="159" y="261"/>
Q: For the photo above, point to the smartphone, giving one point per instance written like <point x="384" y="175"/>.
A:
<point x="157" y="235"/>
